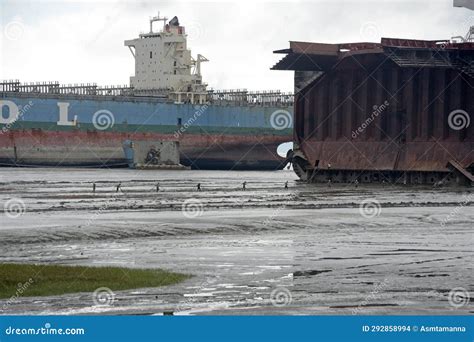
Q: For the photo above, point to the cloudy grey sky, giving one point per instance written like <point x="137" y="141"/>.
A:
<point x="82" y="41"/>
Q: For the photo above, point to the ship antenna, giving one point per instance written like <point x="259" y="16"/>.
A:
<point x="157" y="18"/>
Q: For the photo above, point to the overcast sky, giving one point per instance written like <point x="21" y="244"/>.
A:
<point x="82" y="41"/>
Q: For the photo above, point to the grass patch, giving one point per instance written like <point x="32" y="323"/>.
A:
<point x="27" y="280"/>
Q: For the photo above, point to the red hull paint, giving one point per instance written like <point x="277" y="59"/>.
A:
<point x="38" y="147"/>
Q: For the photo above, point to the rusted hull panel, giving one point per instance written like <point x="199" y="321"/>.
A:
<point x="341" y="106"/>
<point x="386" y="156"/>
<point x="407" y="112"/>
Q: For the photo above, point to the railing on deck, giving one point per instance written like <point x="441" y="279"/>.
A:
<point x="258" y="98"/>
<point x="216" y="97"/>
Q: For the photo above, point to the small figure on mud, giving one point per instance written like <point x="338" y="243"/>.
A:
<point x="286" y="185"/>
<point x="93" y="188"/>
<point x="244" y="185"/>
<point x="199" y="187"/>
<point x="157" y="186"/>
<point x="356" y="183"/>
<point x="329" y="183"/>
<point x="119" y="187"/>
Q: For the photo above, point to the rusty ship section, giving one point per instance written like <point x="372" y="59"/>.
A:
<point x="398" y="111"/>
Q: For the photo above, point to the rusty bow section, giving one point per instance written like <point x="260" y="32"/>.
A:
<point x="398" y="111"/>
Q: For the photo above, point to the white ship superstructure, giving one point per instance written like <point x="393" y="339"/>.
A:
<point x="163" y="62"/>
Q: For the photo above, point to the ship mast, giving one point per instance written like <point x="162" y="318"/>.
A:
<point x="157" y="18"/>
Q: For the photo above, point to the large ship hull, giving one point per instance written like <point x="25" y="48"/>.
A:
<point x="395" y="112"/>
<point x="67" y="131"/>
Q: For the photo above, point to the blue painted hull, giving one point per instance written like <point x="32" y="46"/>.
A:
<point x="89" y="131"/>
